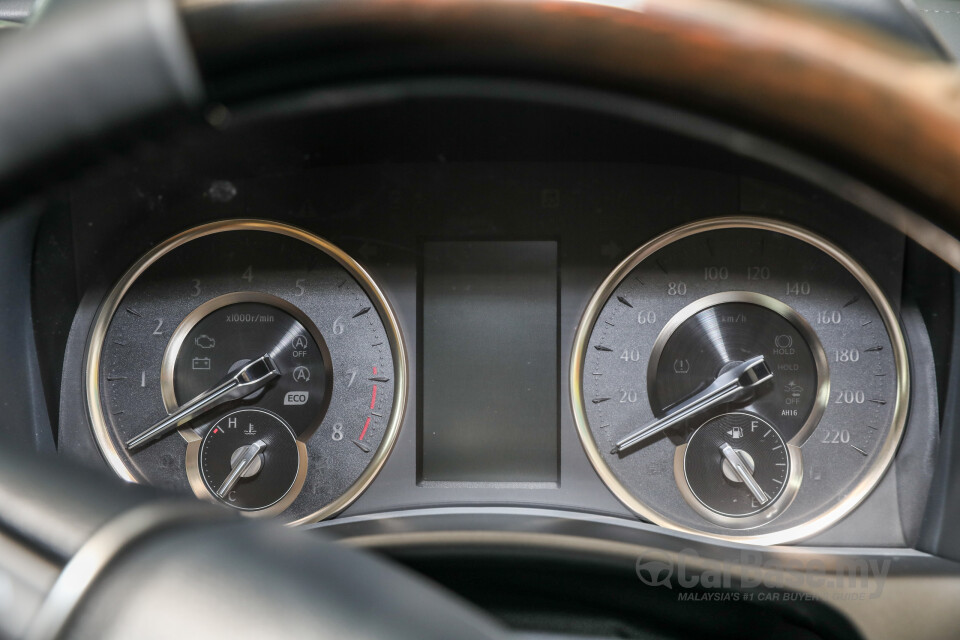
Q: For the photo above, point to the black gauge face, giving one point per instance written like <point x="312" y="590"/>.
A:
<point x="270" y="473"/>
<point x="718" y="447"/>
<point x="726" y="334"/>
<point x="698" y="303"/>
<point x="225" y="339"/>
<point x="202" y="306"/>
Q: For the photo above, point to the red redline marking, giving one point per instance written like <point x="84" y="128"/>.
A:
<point x="373" y="402"/>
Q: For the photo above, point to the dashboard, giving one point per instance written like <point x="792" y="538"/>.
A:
<point x="492" y="305"/>
<point x="524" y="319"/>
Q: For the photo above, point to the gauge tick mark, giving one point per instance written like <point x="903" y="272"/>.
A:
<point x="600" y="347"/>
<point x="858" y="449"/>
<point x="361" y="312"/>
<point x="599" y="400"/>
<point x="624" y="301"/>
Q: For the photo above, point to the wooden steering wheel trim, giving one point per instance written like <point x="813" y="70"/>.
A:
<point x="869" y="105"/>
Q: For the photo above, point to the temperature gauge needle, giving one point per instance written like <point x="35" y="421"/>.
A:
<point x="740" y="467"/>
<point x="736" y="384"/>
<point x="252" y="377"/>
<point x="242" y="463"/>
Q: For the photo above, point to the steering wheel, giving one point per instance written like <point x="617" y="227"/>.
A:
<point x="81" y="557"/>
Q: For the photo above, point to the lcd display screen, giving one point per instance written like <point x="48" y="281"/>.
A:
<point x="489" y="362"/>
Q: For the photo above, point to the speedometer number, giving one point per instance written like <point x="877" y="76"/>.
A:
<point x="798" y="288"/>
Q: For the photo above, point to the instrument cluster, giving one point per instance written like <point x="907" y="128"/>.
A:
<point x="696" y="342"/>
<point x="741" y="377"/>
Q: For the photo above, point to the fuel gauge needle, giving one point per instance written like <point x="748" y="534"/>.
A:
<point x="737" y="383"/>
<point x="740" y="468"/>
<point x="252" y="377"/>
<point x="240" y="466"/>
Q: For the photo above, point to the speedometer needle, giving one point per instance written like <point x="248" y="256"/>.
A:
<point x="252" y="377"/>
<point x="736" y="384"/>
<point x="740" y="468"/>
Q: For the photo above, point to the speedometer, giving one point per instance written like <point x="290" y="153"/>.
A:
<point x="742" y="378"/>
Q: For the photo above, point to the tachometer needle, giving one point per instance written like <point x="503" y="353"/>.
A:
<point x="740" y="467"/>
<point x="252" y="377"/>
<point x="242" y="464"/>
<point x="735" y="384"/>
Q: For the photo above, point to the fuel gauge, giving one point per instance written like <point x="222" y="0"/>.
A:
<point x="737" y="465"/>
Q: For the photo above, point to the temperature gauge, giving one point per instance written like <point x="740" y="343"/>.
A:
<point x="250" y="460"/>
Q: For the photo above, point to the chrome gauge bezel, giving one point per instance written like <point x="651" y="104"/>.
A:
<point x="885" y="454"/>
<point x="202" y="490"/>
<point x="111" y="304"/>
<point x="780" y="503"/>
<point x="193" y="439"/>
<point x="187" y="324"/>
<point x="783" y="310"/>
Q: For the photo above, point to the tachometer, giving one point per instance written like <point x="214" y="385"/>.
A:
<point x="740" y="377"/>
<point x="271" y="352"/>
